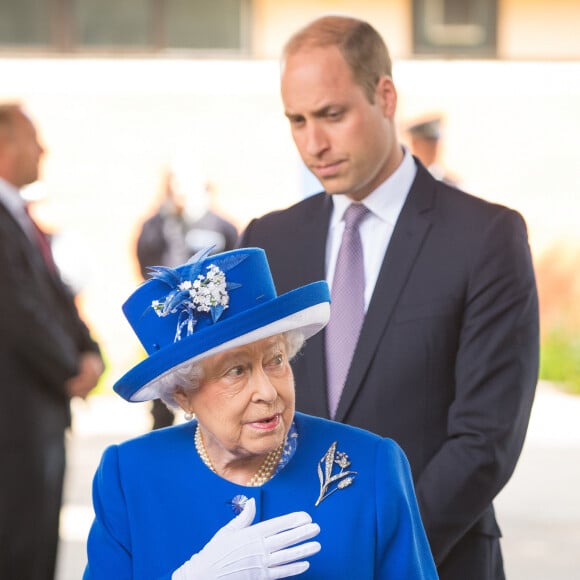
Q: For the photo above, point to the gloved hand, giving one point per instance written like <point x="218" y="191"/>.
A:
<point x="264" y="551"/>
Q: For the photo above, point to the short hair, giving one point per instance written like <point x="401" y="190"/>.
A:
<point x="188" y="376"/>
<point x="361" y="46"/>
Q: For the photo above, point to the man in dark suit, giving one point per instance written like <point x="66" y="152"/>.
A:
<point x="446" y="360"/>
<point x="46" y="357"/>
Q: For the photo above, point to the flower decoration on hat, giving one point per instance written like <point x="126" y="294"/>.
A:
<point x="193" y="292"/>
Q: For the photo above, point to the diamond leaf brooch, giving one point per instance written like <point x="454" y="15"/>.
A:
<point x="330" y="479"/>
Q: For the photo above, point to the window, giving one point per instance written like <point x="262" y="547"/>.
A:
<point x="120" y="26"/>
<point x="209" y="24"/>
<point x="25" y="23"/>
<point x="460" y="28"/>
<point x="110" y="23"/>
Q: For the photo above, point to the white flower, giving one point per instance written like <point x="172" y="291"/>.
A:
<point x="203" y="294"/>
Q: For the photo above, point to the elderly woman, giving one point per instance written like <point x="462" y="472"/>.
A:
<point x="241" y="490"/>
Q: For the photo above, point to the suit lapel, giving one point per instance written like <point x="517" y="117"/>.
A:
<point x="311" y="239"/>
<point x="29" y="251"/>
<point x="313" y="259"/>
<point x="408" y="237"/>
<point x="21" y="240"/>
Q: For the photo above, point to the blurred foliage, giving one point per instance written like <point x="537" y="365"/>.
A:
<point x="557" y="273"/>
<point x="560" y="360"/>
<point x="104" y="385"/>
<point x="113" y="374"/>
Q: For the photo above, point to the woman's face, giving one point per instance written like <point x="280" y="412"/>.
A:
<point x="245" y="402"/>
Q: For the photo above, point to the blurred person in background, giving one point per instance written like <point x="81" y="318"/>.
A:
<point x="183" y="224"/>
<point x="47" y="356"/>
<point x="425" y="137"/>
<point x="440" y="349"/>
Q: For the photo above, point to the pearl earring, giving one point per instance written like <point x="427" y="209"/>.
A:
<point x="188" y="415"/>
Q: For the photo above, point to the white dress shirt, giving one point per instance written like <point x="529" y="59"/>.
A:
<point x="385" y="204"/>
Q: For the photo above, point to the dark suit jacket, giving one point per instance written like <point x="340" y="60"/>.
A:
<point x="41" y="337"/>
<point x="447" y="359"/>
<point x="41" y="332"/>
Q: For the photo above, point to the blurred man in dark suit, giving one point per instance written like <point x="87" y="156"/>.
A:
<point x="47" y="356"/>
<point x="182" y="225"/>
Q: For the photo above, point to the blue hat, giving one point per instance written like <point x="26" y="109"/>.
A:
<point x="209" y="305"/>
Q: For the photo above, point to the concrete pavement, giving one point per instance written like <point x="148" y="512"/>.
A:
<point x="538" y="511"/>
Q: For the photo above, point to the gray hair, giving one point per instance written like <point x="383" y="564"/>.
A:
<point x="188" y="376"/>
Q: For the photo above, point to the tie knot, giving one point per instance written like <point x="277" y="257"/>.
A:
<point x="354" y="215"/>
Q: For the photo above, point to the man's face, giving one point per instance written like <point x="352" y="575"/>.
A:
<point x="25" y="152"/>
<point x="348" y="142"/>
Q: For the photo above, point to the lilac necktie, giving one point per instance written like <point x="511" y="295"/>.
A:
<point x="347" y="305"/>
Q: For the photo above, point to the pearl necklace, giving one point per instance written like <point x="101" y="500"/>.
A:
<point x="261" y="476"/>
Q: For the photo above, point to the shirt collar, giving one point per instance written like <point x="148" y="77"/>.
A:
<point x="388" y="198"/>
<point x="11" y="198"/>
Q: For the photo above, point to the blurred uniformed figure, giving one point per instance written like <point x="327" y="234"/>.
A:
<point x="424" y="140"/>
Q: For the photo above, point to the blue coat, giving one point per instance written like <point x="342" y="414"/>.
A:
<point x="156" y="504"/>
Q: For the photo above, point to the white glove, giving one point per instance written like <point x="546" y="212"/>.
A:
<point x="240" y="551"/>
